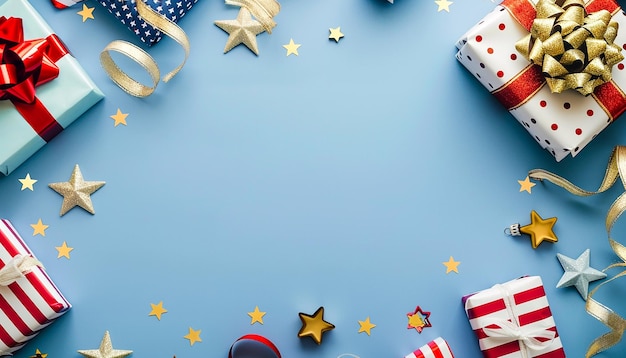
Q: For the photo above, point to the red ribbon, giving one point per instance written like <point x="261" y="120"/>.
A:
<point x="256" y="338"/>
<point x="24" y="65"/>
<point x="522" y="87"/>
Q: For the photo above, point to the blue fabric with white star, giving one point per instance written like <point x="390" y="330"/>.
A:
<point x="126" y="12"/>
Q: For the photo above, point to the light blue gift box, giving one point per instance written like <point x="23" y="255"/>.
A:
<point x="66" y="97"/>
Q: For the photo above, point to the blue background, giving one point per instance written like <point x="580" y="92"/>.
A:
<point x="342" y="178"/>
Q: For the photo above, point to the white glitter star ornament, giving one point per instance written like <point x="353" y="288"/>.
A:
<point x="242" y="30"/>
<point x="76" y="192"/>
<point x="578" y="273"/>
<point x="106" y="350"/>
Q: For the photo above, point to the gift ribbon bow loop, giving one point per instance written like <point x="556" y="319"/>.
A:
<point x="16" y="268"/>
<point x="534" y="338"/>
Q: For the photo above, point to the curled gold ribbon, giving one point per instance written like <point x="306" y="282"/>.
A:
<point x="141" y="57"/>
<point x="263" y="10"/>
<point x="616" y="168"/>
<point x="575" y="50"/>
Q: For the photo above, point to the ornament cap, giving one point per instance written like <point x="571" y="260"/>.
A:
<point x="513" y="230"/>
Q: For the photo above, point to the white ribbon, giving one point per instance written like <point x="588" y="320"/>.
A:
<point x="16" y="268"/>
<point x="528" y="335"/>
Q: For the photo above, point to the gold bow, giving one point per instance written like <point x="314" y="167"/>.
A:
<point x="575" y="50"/>
<point x="616" y="168"/>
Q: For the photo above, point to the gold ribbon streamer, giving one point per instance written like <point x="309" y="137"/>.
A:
<point x="263" y="10"/>
<point x="576" y="50"/>
<point x="141" y="57"/>
<point x="616" y="167"/>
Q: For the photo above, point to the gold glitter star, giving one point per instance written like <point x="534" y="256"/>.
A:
<point x="119" y="117"/>
<point x="243" y="30"/>
<point x="256" y="315"/>
<point x="526" y="185"/>
<point x="39" y="228"/>
<point x="38" y="354"/>
<point x="76" y="192"/>
<point x="452" y="265"/>
<point x="106" y="350"/>
<point x="314" y="325"/>
<point x="540" y="230"/>
<point x="157" y="310"/>
<point x="27" y="183"/>
<point x="366" y="326"/>
<point x="64" y="251"/>
<point x="335" y="33"/>
<point x="193" y="336"/>
<point x="292" y="48"/>
<point x="443" y="5"/>
<point x="86" y="12"/>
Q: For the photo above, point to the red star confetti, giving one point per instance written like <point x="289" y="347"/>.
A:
<point x="418" y="319"/>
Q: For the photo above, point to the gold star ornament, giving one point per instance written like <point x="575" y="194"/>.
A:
<point x="76" y="192"/>
<point x="540" y="230"/>
<point x="335" y="34"/>
<point x="526" y="185"/>
<point x="106" y="350"/>
<point x="243" y="30"/>
<point x="86" y="12"/>
<point x="314" y="325"/>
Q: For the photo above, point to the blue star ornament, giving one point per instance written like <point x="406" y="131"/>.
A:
<point x="578" y="273"/>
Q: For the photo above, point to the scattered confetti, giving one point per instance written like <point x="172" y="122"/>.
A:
<point x="157" y="310"/>
<point x="39" y="228"/>
<point x="292" y="48"/>
<point x="243" y="30"/>
<point x="28" y="182"/>
<point x="366" y="326"/>
<point x="452" y="265"/>
<point x="106" y="350"/>
<point x="38" y="354"/>
<point x="64" y="250"/>
<point x="193" y="336"/>
<point x="418" y="319"/>
<point x="86" y="12"/>
<point x="443" y="5"/>
<point x="526" y="185"/>
<point x="335" y="34"/>
<point x="578" y="273"/>
<point x="256" y="315"/>
<point x="76" y="192"/>
<point x="540" y="230"/>
<point x="314" y="325"/>
<point x="119" y="118"/>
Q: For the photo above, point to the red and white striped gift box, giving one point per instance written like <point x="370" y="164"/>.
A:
<point x="514" y="320"/>
<point x="62" y="4"/>
<point x="437" y="348"/>
<point x="30" y="303"/>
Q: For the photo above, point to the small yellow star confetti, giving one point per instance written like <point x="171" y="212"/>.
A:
<point x="443" y="5"/>
<point x="119" y="118"/>
<point x="292" y="48"/>
<point x="39" y="228"/>
<point x="64" y="250"/>
<point x="335" y="33"/>
<point x="243" y="30"/>
<point x="193" y="336"/>
<point x="86" y="12"/>
<point x="526" y="185"/>
<point x="157" y="310"/>
<point x="105" y="350"/>
<point x="76" y="192"/>
<point x="452" y="265"/>
<point x="256" y="315"/>
<point x="38" y="354"/>
<point x="366" y="326"/>
<point x="27" y="182"/>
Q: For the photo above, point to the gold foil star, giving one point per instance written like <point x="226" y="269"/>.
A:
<point x="243" y="30"/>
<point x="76" y="192"/>
<point x="335" y="33"/>
<point x="157" y="310"/>
<point x="64" y="250"/>
<point x="314" y="325"/>
<point x="540" y="230"/>
<point x="38" y="354"/>
<point x="418" y="319"/>
<point x="27" y="183"/>
<point x="256" y="315"/>
<point x="526" y="185"/>
<point x="119" y="118"/>
<point x="366" y="326"/>
<point x="292" y="48"/>
<point x="443" y="5"/>
<point x="193" y="336"/>
<point x="106" y="350"/>
<point x="86" y="12"/>
<point x="452" y="265"/>
<point x="39" y="228"/>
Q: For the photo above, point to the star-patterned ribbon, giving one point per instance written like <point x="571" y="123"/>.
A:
<point x="616" y="168"/>
<point x="250" y="350"/>
<point x="16" y="268"/>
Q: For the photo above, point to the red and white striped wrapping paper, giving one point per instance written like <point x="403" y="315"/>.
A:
<point x="521" y="303"/>
<point x="30" y="303"/>
<point x="62" y="4"/>
<point x="437" y="348"/>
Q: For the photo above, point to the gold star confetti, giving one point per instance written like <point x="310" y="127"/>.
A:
<point x="76" y="192"/>
<point x="119" y="118"/>
<point x="452" y="265"/>
<point x="106" y="350"/>
<point x="157" y="310"/>
<point x="27" y="182"/>
<point x="526" y="185"/>
<point x="38" y="354"/>
<point x="39" y="228"/>
<point x="443" y="5"/>
<point x="64" y="250"/>
<point x="540" y="230"/>
<point x="335" y="33"/>
<point x="256" y="315"/>
<point x="193" y="336"/>
<point x="418" y="319"/>
<point x="314" y="325"/>
<point x="292" y="48"/>
<point x="86" y="12"/>
<point x="366" y="326"/>
<point x="243" y="30"/>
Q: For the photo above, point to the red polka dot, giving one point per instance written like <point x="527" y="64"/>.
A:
<point x="579" y="131"/>
<point x="554" y="126"/>
<point x="490" y="50"/>
<point x="480" y="38"/>
<point x="513" y="57"/>
<point x="620" y="66"/>
<point x="501" y="26"/>
<point x="566" y="105"/>
<point x="589" y="112"/>
<point x="500" y="74"/>
<point x="543" y="103"/>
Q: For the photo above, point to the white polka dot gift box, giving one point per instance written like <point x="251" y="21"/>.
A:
<point x="437" y="348"/>
<point x="562" y="123"/>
